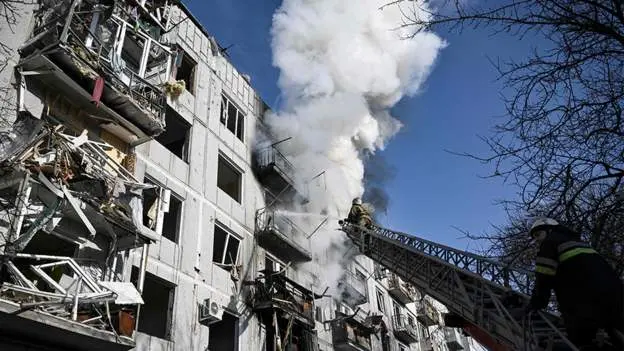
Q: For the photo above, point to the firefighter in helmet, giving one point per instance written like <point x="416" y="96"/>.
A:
<point x="359" y="214"/>
<point x="588" y="290"/>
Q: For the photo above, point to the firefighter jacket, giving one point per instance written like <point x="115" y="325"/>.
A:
<point x="586" y="286"/>
<point x="357" y="211"/>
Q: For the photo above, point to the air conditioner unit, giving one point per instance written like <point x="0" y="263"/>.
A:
<point x="210" y="312"/>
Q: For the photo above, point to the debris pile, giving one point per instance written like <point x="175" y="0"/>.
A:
<point x="67" y="210"/>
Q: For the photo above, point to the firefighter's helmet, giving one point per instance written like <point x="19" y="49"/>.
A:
<point x="357" y="201"/>
<point x="542" y="223"/>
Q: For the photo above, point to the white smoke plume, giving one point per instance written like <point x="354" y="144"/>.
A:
<point x="342" y="64"/>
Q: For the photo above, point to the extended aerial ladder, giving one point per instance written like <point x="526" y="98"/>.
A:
<point x="483" y="293"/>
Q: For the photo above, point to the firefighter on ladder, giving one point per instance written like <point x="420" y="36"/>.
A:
<point x="588" y="290"/>
<point x="359" y="215"/>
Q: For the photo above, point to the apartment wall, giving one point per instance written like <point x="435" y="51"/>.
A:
<point x="15" y="28"/>
<point x="188" y="263"/>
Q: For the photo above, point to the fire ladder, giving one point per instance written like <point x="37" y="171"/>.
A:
<point x="484" y="292"/>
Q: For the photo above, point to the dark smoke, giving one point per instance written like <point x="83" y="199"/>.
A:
<point x="377" y="173"/>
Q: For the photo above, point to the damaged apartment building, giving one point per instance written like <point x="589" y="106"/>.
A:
<point x="137" y="214"/>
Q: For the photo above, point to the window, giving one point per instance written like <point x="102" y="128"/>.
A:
<point x="361" y="276"/>
<point x="410" y="320"/>
<point x="176" y="135"/>
<point x="318" y="314"/>
<point x="159" y="296"/>
<point x="229" y="179"/>
<point x="402" y="347"/>
<point x="225" y="249"/>
<point x="380" y="301"/>
<point x="172" y="218"/>
<point x="232" y="117"/>
<point x="397" y="309"/>
<point x="184" y="69"/>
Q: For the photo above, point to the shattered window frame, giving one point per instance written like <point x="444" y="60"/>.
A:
<point x="223" y="232"/>
<point x="185" y="60"/>
<point x="173" y="117"/>
<point x="175" y="236"/>
<point x="236" y="125"/>
<point x="381" y="303"/>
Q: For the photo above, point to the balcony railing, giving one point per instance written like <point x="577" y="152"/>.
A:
<point x="270" y="156"/>
<point x="400" y="290"/>
<point x="99" y="42"/>
<point x="454" y="341"/>
<point x="427" y="315"/>
<point x="403" y="330"/>
<point x="354" y="291"/>
<point x="349" y="334"/>
<point x="281" y="236"/>
<point x="276" y="291"/>
<point x="277" y="174"/>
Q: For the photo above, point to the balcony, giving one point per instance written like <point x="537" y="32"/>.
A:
<point x="426" y="345"/>
<point x="403" y="330"/>
<point x="275" y="292"/>
<point x="427" y="314"/>
<point x="348" y="334"/>
<point x="453" y="339"/>
<point x="66" y="227"/>
<point x="113" y="74"/>
<point x="400" y="290"/>
<point x="278" y="234"/>
<point x="276" y="173"/>
<point x="353" y="289"/>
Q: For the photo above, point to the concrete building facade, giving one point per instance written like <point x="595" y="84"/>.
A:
<point x="211" y="262"/>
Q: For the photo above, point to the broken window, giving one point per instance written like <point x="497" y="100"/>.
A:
<point x="150" y="204"/>
<point x="380" y="301"/>
<point x="158" y="295"/>
<point x="232" y="117"/>
<point x="318" y="314"/>
<point x="172" y="219"/>
<point x="184" y="69"/>
<point x="176" y="136"/>
<point x="225" y="249"/>
<point x="172" y="208"/>
<point x="229" y="179"/>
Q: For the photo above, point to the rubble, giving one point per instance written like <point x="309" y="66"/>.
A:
<point x="62" y="188"/>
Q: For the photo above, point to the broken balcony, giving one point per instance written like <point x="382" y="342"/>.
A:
<point x="400" y="290"/>
<point x="426" y="345"/>
<point x="427" y="314"/>
<point x="350" y="334"/>
<point x="113" y="70"/>
<point x="403" y="330"/>
<point x="353" y="289"/>
<point x="69" y="210"/>
<point x="276" y="173"/>
<point x="273" y="293"/>
<point x="454" y="340"/>
<point x="282" y="237"/>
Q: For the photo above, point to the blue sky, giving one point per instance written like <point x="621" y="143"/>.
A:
<point x="432" y="190"/>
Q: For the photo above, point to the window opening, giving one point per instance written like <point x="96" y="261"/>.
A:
<point x="176" y="135"/>
<point x="184" y="69"/>
<point x="229" y="179"/>
<point x="158" y="295"/>
<point x="232" y="117"/>
<point x="380" y="301"/>
<point x="225" y="248"/>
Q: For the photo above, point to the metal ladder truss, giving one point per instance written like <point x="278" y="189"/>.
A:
<point x="481" y="290"/>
